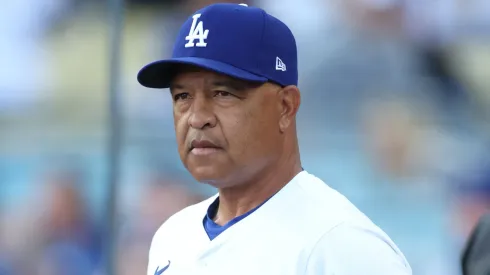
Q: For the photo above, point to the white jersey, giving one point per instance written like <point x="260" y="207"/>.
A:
<point x="306" y="228"/>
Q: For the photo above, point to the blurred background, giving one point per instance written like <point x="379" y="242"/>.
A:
<point x="395" y="115"/>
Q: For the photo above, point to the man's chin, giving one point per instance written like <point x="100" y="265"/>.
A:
<point x="209" y="175"/>
<point x="204" y="173"/>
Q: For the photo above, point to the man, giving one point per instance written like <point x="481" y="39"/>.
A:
<point x="476" y="254"/>
<point x="233" y="78"/>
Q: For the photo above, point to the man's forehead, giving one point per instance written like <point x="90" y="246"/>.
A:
<point x="202" y="75"/>
<point x="188" y="75"/>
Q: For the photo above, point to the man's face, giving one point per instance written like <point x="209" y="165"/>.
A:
<point x="226" y="128"/>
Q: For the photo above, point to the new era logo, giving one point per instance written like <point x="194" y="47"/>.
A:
<point x="280" y="66"/>
<point x="196" y="32"/>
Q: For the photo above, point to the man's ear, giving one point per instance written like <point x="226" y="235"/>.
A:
<point x="290" y="98"/>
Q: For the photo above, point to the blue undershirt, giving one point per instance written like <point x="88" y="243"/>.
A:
<point x="213" y="229"/>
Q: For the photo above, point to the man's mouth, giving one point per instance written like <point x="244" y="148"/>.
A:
<point x="203" y="147"/>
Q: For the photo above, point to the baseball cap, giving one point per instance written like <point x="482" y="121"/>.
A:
<point x="232" y="39"/>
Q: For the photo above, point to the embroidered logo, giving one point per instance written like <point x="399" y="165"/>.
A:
<point x="196" y="32"/>
<point x="280" y="66"/>
<point x="159" y="270"/>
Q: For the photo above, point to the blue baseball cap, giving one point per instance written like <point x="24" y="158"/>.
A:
<point x="232" y="39"/>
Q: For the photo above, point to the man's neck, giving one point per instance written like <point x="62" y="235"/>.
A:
<point x="238" y="200"/>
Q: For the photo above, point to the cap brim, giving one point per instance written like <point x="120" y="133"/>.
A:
<point x="159" y="74"/>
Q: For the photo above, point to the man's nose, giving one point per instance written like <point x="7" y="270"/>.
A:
<point x="202" y="114"/>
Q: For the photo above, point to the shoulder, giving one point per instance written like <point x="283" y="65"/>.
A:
<point x="364" y="244"/>
<point x="346" y="235"/>
<point x="185" y="221"/>
<point x="176" y="235"/>
<point x="184" y="218"/>
<point x="342" y="233"/>
<point x="324" y="206"/>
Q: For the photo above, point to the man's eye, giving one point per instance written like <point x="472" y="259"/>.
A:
<point x="223" y="93"/>
<point x="181" y="96"/>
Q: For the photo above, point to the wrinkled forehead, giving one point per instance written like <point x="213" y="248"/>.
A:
<point x="187" y="75"/>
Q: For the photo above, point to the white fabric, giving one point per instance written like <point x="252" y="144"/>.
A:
<point x="306" y="228"/>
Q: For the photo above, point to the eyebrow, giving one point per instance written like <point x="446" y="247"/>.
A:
<point x="174" y="86"/>
<point x="236" y="85"/>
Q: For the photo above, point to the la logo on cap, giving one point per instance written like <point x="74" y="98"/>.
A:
<point x="196" y="32"/>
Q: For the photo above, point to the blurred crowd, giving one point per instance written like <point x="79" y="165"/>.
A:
<point x="394" y="115"/>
